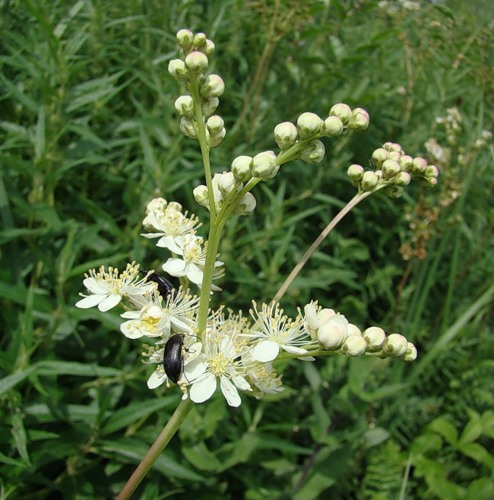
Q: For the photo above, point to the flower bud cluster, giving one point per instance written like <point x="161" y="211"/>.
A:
<point x="191" y="69"/>
<point x="310" y="127"/>
<point x="394" y="170"/>
<point x="333" y="332"/>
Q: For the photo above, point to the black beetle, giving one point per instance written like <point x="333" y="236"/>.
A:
<point x="165" y="288"/>
<point x="173" y="357"/>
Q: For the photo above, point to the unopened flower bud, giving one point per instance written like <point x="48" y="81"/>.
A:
<point x="215" y="123"/>
<point x="333" y="332"/>
<point x="213" y="86"/>
<point x="395" y="345"/>
<point x="354" y="330"/>
<point x="309" y="125"/>
<point x="184" y="105"/>
<point x="264" y="165"/>
<point x="405" y="162"/>
<point x="196" y="62"/>
<point x="375" y="337"/>
<point x="394" y="191"/>
<point x="226" y="183"/>
<point x="393" y="147"/>
<point x="369" y="180"/>
<point x="354" y="345"/>
<point x="177" y="69"/>
<point x="199" y="39"/>
<point x="390" y="168"/>
<point x="156" y="205"/>
<point x="431" y="171"/>
<point x="359" y="119"/>
<point x="325" y="315"/>
<point x="419" y="165"/>
<point x="355" y="172"/>
<point x="216" y="139"/>
<point x="201" y="195"/>
<point x="246" y="205"/>
<point x="187" y="128"/>
<point x="241" y="168"/>
<point x="185" y="38"/>
<point x="342" y="111"/>
<point x="313" y="152"/>
<point x="394" y="155"/>
<point x="379" y="156"/>
<point x="333" y="126"/>
<point x="209" y="105"/>
<point x="209" y="47"/>
<point x="402" y="179"/>
<point x="411" y="354"/>
<point x="285" y="135"/>
<point x="431" y="181"/>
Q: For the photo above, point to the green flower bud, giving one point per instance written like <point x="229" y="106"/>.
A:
<point x="185" y="38"/>
<point x="354" y="345"/>
<point x="406" y="162"/>
<point x="213" y="86"/>
<point x="264" y="165"/>
<point x="333" y="126"/>
<point x="217" y="139"/>
<point x="333" y="332"/>
<point x="375" y="337"/>
<point x="359" y="119"/>
<point x="226" y="183"/>
<point x="394" y="155"/>
<point x="187" y="127"/>
<point x="431" y="171"/>
<point x="196" y="62"/>
<point x="309" y="125"/>
<point x="355" y="172"/>
<point x="369" y="180"/>
<point x="393" y="147"/>
<point x="201" y="195"/>
<point x="209" y="105"/>
<point x="342" y="111"/>
<point x="431" y="181"/>
<point x="241" y="168"/>
<point x="215" y="123"/>
<point x="402" y="179"/>
<point x="246" y="205"/>
<point x="208" y="49"/>
<point x="199" y="40"/>
<point x="394" y="191"/>
<point x="285" y="135"/>
<point x="390" y="168"/>
<point x="379" y="156"/>
<point x="411" y="354"/>
<point x="419" y="165"/>
<point x="313" y="152"/>
<point x="395" y="345"/>
<point x="177" y="69"/>
<point x="185" y="105"/>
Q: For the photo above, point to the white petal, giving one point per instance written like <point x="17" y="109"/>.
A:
<point x="293" y="350"/>
<point x="195" y="368"/>
<point x="266" y="350"/>
<point x="128" y="328"/>
<point x="109" y="302"/>
<point x="307" y="358"/>
<point x="180" y="325"/>
<point x="241" y="383"/>
<point x="156" y="379"/>
<point x="95" y="286"/>
<point x="175" y="267"/>
<point x="230" y="392"/>
<point x="91" y="301"/>
<point x="203" y="389"/>
<point x="193" y="351"/>
<point x="195" y="274"/>
<point x="130" y="314"/>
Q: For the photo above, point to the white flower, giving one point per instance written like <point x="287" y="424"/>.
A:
<point x="156" y="319"/>
<point x="276" y="331"/>
<point x="263" y="377"/>
<point x="107" y="288"/>
<point x="221" y="359"/>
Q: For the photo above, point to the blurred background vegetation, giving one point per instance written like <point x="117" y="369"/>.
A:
<point x="89" y="136"/>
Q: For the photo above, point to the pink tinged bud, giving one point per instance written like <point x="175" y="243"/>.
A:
<point x="402" y="179"/>
<point x="314" y="152"/>
<point x="393" y="147"/>
<point x="196" y="62"/>
<point x="241" y="168"/>
<point x="432" y="181"/>
<point x="419" y="165"/>
<point x="333" y="332"/>
<point x="390" y="168"/>
<point x="309" y="125"/>
<point x="355" y="172"/>
<point x="246" y="205"/>
<point x="185" y="38"/>
<point x="187" y="128"/>
<point x="375" y="337"/>
<point x="177" y="69"/>
<point x="369" y="181"/>
<point x="342" y="111"/>
<point x="209" y="47"/>
<point x="199" y="39"/>
<point x="184" y="105"/>
<point x="395" y="345"/>
<point x="431" y="171"/>
<point x="264" y="165"/>
<point x="379" y="156"/>
<point x="411" y="354"/>
<point x="359" y="119"/>
<point x="201" y="195"/>
<point x="406" y="163"/>
<point x="215" y="124"/>
<point x="209" y="105"/>
<point x="333" y="126"/>
<point x="213" y="86"/>
<point x="325" y="315"/>
<point x="285" y="135"/>
<point x="394" y="155"/>
<point x="216" y="139"/>
<point x="354" y="345"/>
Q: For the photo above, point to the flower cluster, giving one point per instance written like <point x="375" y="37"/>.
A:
<point x="394" y="170"/>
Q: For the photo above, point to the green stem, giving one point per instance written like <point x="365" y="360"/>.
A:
<point x="154" y="452"/>
<point x="308" y="254"/>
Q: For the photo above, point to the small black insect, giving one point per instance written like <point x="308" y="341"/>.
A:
<point x="164" y="286"/>
<point x="173" y="357"/>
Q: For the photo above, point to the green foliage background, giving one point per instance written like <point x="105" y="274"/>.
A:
<point x="89" y="135"/>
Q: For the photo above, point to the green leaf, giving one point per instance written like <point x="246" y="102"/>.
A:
<point x="446" y="429"/>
